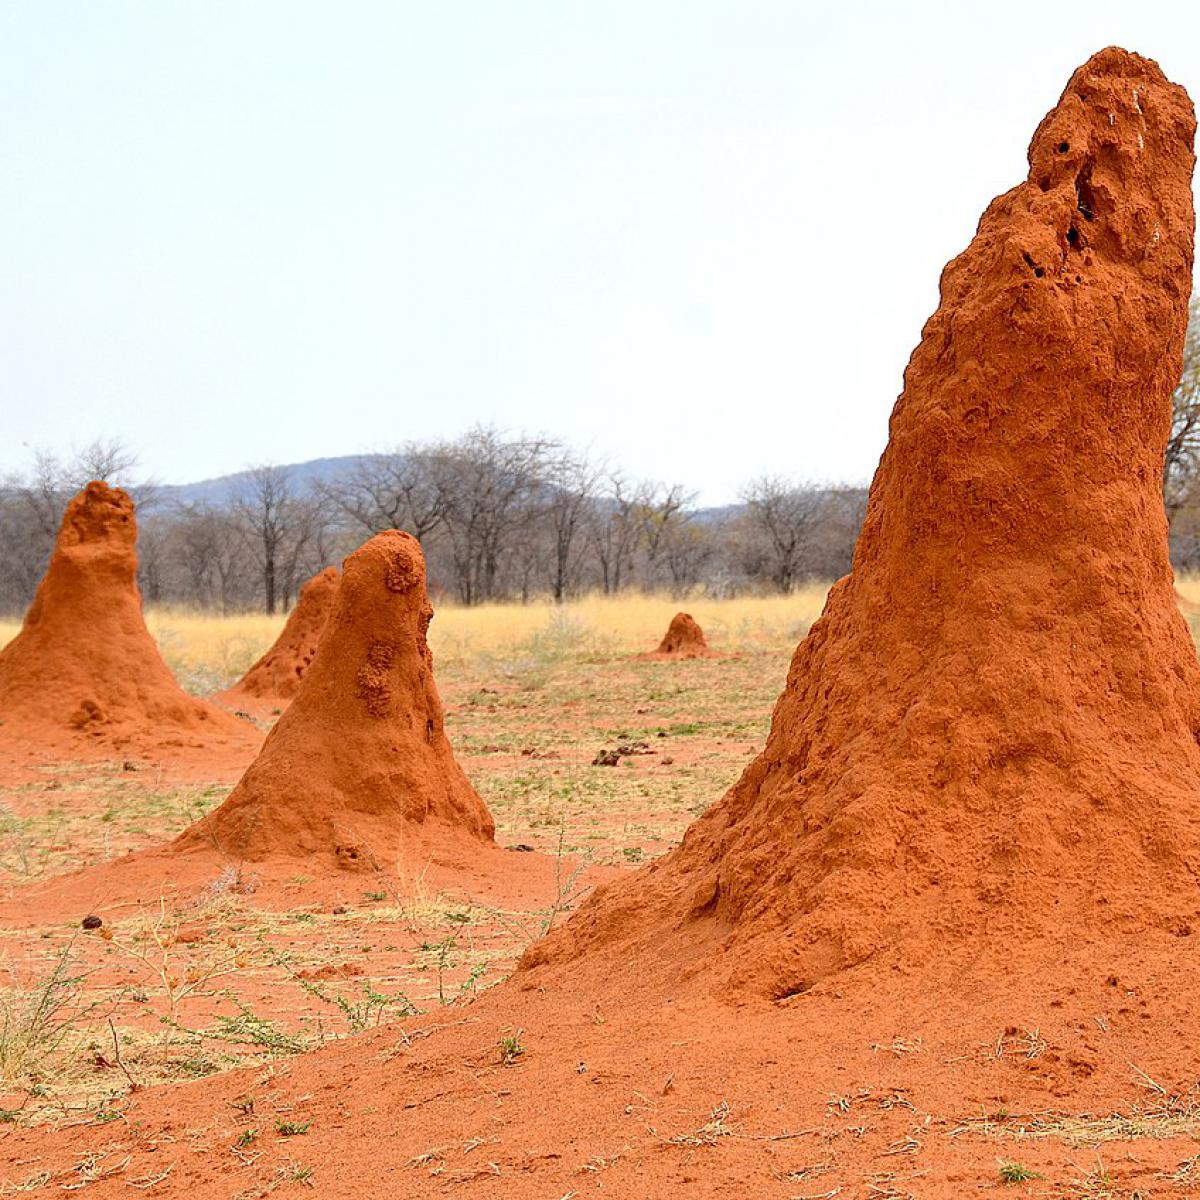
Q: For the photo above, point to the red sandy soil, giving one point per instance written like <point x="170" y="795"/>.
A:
<point x="684" y="639"/>
<point x="947" y="918"/>
<point x="84" y="679"/>
<point x="273" y="681"/>
<point x="356" y="782"/>
<point x="629" y="1092"/>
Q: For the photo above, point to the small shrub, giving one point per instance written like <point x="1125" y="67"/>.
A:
<point x="1014" y="1172"/>
<point x="511" y="1048"/>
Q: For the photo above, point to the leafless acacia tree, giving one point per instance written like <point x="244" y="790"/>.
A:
<point x="279" y="525"/>
<point x="490" y="487"/>
<point x="392" y="490"/>
<point x="781" y="517"/>
<point x="570" y="495"/>
<point x="661" y="510"/>
<point x="1182" y="459"/>
<point x="613" y="529"/>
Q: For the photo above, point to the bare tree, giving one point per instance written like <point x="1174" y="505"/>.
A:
<point x="197" y="539"/>
<point x="685" y="550"/>
<point x="396" y="490"/>
<point x="614" y="527"/>
<point x="1183" y="447"/>
<point x="110" y="461"/>
<point x="835" y="533"/>
<point x="491" y="489"/>
<point x="570" y="488"/>
<point x="279" y="525"/>
<point x="781" y="517"/>
<point x="661" y="509"/>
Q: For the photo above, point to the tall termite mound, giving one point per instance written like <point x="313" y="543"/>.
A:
<point x="84" y="661"/>
<point x="684" y="639"/>
<point x="358" y="771"/>
<point x="276" y="676"/>
<point x="988" y="740"/>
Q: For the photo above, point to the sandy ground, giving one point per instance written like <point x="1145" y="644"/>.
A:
<point x="235" y="977"/>
<point x="360" y="1046"/>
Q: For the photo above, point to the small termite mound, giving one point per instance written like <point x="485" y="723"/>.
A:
<point x="684" y="639"/>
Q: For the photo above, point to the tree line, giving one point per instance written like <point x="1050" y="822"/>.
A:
<point x="501" y="516"/>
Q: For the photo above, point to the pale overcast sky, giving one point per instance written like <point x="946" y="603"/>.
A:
<point x="699" y="237"/>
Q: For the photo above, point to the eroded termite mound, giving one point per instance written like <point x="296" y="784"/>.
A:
<point x="989" y="739"/>
<point x="84" y="666"/>
<point x="358" y="772"/>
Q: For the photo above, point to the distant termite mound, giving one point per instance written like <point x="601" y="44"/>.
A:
<point x="275" y="678"/>
<point x="358" y="772"/>
<point x="84" y="667"/>
<point x="684" y="639"/>
<point x="990" y="736"/>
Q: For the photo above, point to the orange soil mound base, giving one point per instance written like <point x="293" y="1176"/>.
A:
<point x="684" y="639"/>
<point x="84" y="678"/>
<point x="953" y="903"/>
<point x="272" y="682"/>
<point x="356" y="779"/>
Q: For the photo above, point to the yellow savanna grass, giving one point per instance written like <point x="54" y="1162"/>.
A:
<point x="208" y="650"/>
<point x="1188" y="586"/>
<point x="626" y="623"/>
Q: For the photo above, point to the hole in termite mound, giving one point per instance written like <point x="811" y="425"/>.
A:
<point x="791" y="990"/>
<point x="1085" y="197"/>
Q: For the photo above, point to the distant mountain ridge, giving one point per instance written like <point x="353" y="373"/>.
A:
<point x="222" y="488"/>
